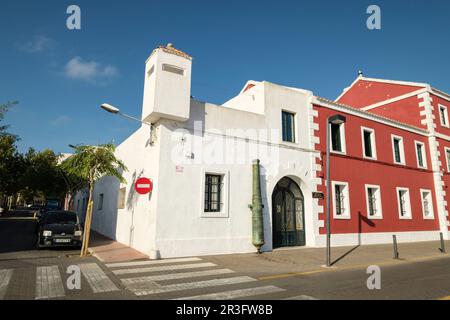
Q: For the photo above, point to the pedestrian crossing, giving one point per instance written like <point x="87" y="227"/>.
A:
<point x="5" y="277"/>
<point x="97" y="279"/>
<point x="180" y="279"/>
<point x="176" y="279"/>
<point x="50" y="281"/>
<point x="49" y="284"/>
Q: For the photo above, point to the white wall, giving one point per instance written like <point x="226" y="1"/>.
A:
<point x="182" y="228"/>
<point x="166" y="94"/>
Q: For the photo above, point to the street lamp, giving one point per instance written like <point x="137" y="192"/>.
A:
<point x="335" y="119"/>
<point x="111" y="109"/>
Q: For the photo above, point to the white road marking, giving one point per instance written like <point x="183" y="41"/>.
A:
<point x="48" y="283"/>
<point x="164" y="268"/>
<point x="144" y="282"/>
<point x="149" y="262"/>
<point x="96" y="278"/>
<point x="194" y="285"/>
<point x="235" y="294"/>
<point x="5" y="277"/>
<point x="302" y="297"/>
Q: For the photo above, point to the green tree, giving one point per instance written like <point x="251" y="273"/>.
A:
<point x="12" y="166"/>
<point x="3" y="109"/>
<point x="91" y="163"/>
<point x="11" y="162"/>
<point x="42" y="176"/>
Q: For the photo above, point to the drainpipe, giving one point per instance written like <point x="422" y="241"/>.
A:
<point x="257" y="209"/>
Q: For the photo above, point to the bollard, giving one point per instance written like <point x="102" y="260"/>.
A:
<point x="442" y="248"/>
<point x="396" y="255"/>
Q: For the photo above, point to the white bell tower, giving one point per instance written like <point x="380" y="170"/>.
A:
<point x="167" y="85"/>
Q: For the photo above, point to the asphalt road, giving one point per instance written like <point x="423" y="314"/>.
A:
<point x="26" y="273"/>
<point x="421" y="280"/>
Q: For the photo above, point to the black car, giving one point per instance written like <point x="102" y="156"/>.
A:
<point x="59" y="228"/>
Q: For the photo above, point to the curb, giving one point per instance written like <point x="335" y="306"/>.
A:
<point x="93" y="254"/>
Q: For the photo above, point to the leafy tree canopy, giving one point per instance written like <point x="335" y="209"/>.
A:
<point x="93" y="162"/>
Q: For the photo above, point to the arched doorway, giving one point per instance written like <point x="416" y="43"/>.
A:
<point x="288" y="214"/>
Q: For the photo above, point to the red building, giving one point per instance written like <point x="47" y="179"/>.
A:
<point x="390" y="160"/>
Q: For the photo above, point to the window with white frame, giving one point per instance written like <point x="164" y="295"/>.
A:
<point x="420" y="154"/>
<point x="404" y="203"/>
<point x="398" y="150"/>
<point x="215" y="193"/>
<point x="341" y="200"/>
<point x="443" y="114"/>
<point x="100" y="201"/>
<point x="447" y="157"/>
<point x="427" y="204"/>
<point x="337" y="132"/>
<point x="368" y="142"/>
<point x="373" y="199"/>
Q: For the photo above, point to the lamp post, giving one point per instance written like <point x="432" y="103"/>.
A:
<point x="335" y="119"/>
<point x="111" y="109"/>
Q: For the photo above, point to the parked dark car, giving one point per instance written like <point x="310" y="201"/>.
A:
<point x="58" y="229"/>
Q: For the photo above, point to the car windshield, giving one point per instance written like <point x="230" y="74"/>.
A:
<point x="61" y="218"/>
<point x="52" y="204"/>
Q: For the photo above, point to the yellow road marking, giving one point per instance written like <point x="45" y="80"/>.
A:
<point x="296" y="274"/>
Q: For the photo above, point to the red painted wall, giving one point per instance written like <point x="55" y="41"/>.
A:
<point x="446" y="177"/>
<point x="355" y="170"/>
<point x="435" y="103"/>
<point x="364" y="93"/>
<point x="405" y="111"/>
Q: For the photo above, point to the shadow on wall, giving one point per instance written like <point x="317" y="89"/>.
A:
<point x="131" y="202"/>
<point x="361" y="219"/>
<point x="133" y="196"/>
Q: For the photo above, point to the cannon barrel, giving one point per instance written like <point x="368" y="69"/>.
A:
<point x="257" y="209"/>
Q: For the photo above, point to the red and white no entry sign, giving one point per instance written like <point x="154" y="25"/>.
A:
<point x="143" y="185"/>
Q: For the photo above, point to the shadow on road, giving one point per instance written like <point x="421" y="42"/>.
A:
<point x="17" y="234"/>
<point x="369" y="224"/>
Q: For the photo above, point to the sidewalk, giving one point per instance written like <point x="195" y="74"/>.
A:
<point x="107" y="250"/>
<point x="287" y="262"/>
<point x="297" y="261"/>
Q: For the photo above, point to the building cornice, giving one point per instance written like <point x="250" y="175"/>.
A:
<point x="368" y="115"/>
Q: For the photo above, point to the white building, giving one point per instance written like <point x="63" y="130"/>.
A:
<point x="193" y="141"/>
<point x="199" y="157"/>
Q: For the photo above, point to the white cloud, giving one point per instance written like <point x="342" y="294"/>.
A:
<point x="61" y="120"/>
<point x="90" y="71"/>
<point x="38" y="44"/>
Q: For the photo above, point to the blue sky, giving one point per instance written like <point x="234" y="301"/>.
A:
<point x="60" y="77"/>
